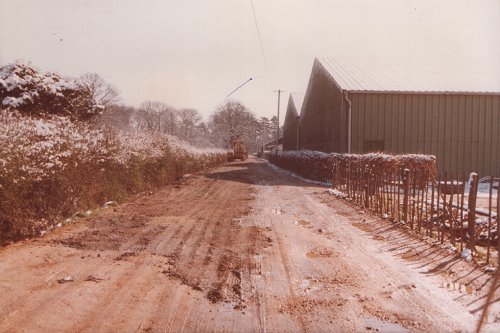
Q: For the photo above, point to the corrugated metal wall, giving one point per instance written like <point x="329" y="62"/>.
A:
<point x="463" y="131"/>
<point x="323" y="122"/>
<point x="290" y="126"/>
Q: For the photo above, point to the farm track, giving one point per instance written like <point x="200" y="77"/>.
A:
<point x="240" y="249"/>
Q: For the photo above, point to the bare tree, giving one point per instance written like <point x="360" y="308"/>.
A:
<point x="103" y="93"/>
<point x="153" y="116"/>
<point x="117" y="117"/>
<point x="232" y="120"/>
<point x="266" y="130"/>
<point x="189" y="119"/>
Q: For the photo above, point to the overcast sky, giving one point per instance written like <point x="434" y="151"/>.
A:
<point x="193" y="53"/>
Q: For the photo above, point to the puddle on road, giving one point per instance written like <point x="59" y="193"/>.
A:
<point x="377" y="325"/>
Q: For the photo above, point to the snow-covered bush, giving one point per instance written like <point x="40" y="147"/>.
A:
<point x="325" y="166"/>
<point x="309" y="164"/>
<point x="51" y="167"/>
<point x="37" y="93"/>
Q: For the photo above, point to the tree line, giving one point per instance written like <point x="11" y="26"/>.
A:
<point x="91" y="99"/>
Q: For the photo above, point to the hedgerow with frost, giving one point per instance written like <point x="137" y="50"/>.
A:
<point x="322" y="166"/>
<point x="51" y="167"/>
<point x="36" y="93"/>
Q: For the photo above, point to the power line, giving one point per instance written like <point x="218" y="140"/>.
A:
<point x="258" y="34"/>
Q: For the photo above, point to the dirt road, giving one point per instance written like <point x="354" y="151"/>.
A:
<point x="241" y="249"/>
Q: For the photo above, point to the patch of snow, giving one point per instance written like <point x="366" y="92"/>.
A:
<point x="337" y="193"/>
<point x="466" y="254"/>
<point x="289" y="173"/>
<point x="490" y="269"/>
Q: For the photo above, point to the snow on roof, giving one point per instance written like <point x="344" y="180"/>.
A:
<point x="374" y="76"/>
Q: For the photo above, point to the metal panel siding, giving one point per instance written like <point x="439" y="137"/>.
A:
<point x="290" y="126"/>
<point x="421" y="124"/>
<point x="380" y="127"/>
<point x="487" y="134"/>
<point x="323" y="123"/>
<point x="357" y="103"/>
<point x="428" y="124"/>
<point x="402" y="123"/>
<point x="362" y="106"/>
<point x="495" y="158"/>
<point x="441" y="131"/>
<point x="435" y="124"/>
<point x="391" y="136"/>
<point x="462" y="114"/>
<point x="481" y="117"/>
<point x="358" y="107"/>
<point x="462" y="131"/>
<point x="369" y="114"/>
<point x="453" y="143"/>
<point x="408" y="123"/>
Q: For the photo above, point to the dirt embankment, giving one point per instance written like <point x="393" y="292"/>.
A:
<point x="241" y="249"/>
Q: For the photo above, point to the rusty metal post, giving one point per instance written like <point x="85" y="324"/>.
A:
<point x="471" y="230"/>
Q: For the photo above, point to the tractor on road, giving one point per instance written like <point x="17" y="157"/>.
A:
<point x="239" y="151"/>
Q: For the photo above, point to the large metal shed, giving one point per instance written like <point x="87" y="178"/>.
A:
<point x="360" y="108"/>
<point x="291" y="125"/>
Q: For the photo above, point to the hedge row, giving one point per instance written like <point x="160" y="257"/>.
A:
<point x="51" y="168"/>
<point x="325" y="166"/>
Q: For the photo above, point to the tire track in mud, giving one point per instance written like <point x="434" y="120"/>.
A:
<point x="127" y="292"/>
<point x="192" y="241"/>
<point x="292" y="296"/>
<point x="212" y="251"/>
<point x="227" y="263"/>
<point x="167" y="237"/>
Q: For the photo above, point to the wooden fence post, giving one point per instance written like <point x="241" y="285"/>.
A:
<point x="471" y="228"/>
<point x="498" y="223"/>
<point x="406" y="187"/>
<point x="367" y="188"/>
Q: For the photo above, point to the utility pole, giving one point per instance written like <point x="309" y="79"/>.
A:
<point x="279" y="91"/>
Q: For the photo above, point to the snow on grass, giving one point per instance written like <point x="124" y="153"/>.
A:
<point x="337" y="193"/>
<point x="289" y="173"/>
